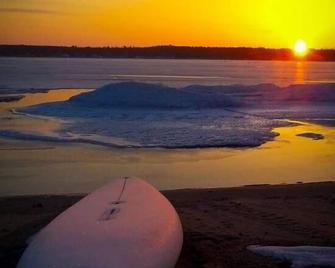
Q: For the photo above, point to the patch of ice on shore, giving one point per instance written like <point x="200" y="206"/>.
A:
<point x="68" y="137"/>
<point x="195" y="116"/>
<point x="301" y="256"/>
<point x="10" y="98"/>
<point x="310" y="135"/>
<point x="144" y="128"/>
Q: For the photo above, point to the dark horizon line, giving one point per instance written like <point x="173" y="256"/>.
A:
<point x="155" y="46"/>
<point x="166" y="52"/>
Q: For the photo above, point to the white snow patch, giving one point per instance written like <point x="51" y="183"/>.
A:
<point x="301" y="256"/>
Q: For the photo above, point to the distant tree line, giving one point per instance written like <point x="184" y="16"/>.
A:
<point x="163" y="52"/>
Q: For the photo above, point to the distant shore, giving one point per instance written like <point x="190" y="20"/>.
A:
<point x="218" y="223"/>
<point x="165" y="52"/>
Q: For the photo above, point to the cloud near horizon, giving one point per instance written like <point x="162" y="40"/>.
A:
<point x="30" y="10"/>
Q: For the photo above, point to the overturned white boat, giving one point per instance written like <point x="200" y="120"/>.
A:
<point x="127" y="223"/>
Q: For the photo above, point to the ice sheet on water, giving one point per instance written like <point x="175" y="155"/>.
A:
<point x="195" y="116"/>
<point x="302" y="256"/>
<point x="178" y="128"/>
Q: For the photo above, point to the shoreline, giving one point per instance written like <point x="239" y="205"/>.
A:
<point x="168" y="191"/>
<point x="167" y="59"/>
<point x="165" y="52"/>
<point x="218" y="223"/>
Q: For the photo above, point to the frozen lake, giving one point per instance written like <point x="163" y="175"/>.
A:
<point x="69" y="143"/>
<point x="92" y="73"/>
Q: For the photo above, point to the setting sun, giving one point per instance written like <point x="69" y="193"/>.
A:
<point x="300" y="48"/>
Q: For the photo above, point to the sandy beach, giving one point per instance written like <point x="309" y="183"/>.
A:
<point x="218" y="223"/>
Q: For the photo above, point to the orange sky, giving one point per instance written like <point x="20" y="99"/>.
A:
<point x="268" y="23"/>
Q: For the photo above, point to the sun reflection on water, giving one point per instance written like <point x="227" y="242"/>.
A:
<point x="300" y="72"/>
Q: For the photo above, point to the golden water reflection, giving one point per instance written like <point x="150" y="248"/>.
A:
<point x="39" y="124"/>
<point x="38" y="98"/>
<point x="300" y="72"/>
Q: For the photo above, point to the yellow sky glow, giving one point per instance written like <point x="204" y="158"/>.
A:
<point x="266" y="23"/>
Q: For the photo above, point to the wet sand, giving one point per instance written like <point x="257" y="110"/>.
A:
<point x="218" y="223"/>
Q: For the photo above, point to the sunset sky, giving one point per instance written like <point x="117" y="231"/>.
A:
<point x="267" y="23"/>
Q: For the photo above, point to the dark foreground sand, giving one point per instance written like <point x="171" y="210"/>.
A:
<point x="218" y="223"/>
